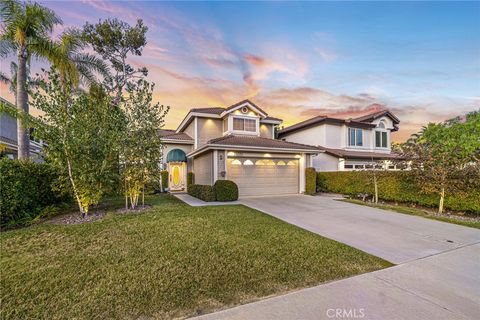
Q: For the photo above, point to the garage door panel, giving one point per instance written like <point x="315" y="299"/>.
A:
<point x="268" y="179"/>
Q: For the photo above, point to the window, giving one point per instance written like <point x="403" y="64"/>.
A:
<point x="240" y="124"/>
<point x="355" y="137"/>
<point x="381" y="139"/>
<point x="248" y="163"/>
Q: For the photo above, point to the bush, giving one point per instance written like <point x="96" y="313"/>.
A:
<point x="310" y="181"/>
<point x="202" y="192"/>
<point x="27" y="189"/>
<point x="190" y="179"/>
<point x="395" y="186"/>
<point x="164" y="176"/>
<point x="226" y="190"/>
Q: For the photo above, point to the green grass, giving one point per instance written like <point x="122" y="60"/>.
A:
<point x="417" y="212"/>
<point x="172" y="261"/>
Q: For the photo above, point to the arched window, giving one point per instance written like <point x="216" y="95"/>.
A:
<point x="248" y="163"/>
<point x="381" y="136"/>
<point x="236" y="162"/>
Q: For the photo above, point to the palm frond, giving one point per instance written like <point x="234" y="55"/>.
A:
<point x="91" y="62"/>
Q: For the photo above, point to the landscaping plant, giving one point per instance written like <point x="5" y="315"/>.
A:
<point x="82" y="132"/>
<point x="140" y="151"/>
<point x="310" y="181"/>
<point x="225" y="190"/>
<point x="444" y="158"/>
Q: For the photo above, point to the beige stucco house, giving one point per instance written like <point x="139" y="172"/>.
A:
<point x="235" y="143"/>
<point x="349" y="144"/>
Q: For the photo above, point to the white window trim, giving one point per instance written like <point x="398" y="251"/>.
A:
<point x="355" y="145"/>
<point x="252" y="133"/>
<point x="375" y="139"/>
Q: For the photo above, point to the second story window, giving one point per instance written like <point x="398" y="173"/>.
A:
<point x="355" y="137"/>
<point x="240" y="124"/>
<point x="381" y="139"/>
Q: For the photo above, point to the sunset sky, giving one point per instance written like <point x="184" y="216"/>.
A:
<point x="298" y="60"/>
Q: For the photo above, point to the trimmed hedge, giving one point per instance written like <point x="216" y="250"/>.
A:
<point x="202" y="192"/>
<point x="164" y="178"/>
<point x="395" y="186"/>
<point x="27" y="192"/>
<point x="310" y="181"/>
<point x="190" y="179"/>
<point x="226" y="190"/>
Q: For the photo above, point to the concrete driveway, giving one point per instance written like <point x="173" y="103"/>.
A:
<point x="437" y="276"/>
<point x="392" y="236"/>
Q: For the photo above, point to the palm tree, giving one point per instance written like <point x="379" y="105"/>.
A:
<point x="74" y="66"/>
<point x="25" y="31"/>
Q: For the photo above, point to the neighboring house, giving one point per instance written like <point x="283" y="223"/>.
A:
<point x="8" y="138"/>
<point x="235" y="143"/>
<point x="349" y="144"/>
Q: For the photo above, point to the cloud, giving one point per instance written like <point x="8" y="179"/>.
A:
<point x="326" y="55"/>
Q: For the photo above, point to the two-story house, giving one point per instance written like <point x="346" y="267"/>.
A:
<point x="235" y="143"/>
<point x="349" y="144"/>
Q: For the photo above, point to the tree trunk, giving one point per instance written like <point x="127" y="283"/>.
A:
<point x="75" y="192"/>
<point x="126" y="196"/>
<point x="23" y="140"/>
<point x="143" y="196"/>
<point x="442" y="198"/>
<point x="376" y="187"/>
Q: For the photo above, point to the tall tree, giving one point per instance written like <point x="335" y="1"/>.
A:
<point x="445" y="157"/>
<point x="26" y="29"/>
<point x="115" y="40"/>
<point x="141" y="145"/>
<point x="82" y="137"/>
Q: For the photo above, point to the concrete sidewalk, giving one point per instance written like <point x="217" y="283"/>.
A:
<point x="195" y="202"/>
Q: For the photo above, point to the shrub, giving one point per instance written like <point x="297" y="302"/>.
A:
<point x="164" y="177"/>
<point x="226" y="190"/>
<point x="27" y="189"/>
<point x="190" y="179"/>
<point x="310" y="181"/>
<point x="395" y="186"/>
<point x="202" y="192"/>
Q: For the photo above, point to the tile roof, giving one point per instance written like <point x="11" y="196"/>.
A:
<point x="247" y="141"/>
<point x="271" y="119"/>
<point x="375" y="115"/>
<point x="173" y="135"/>
<point x="245" y="101"/>
<point x="211" y="110"/>
<point x="318" y="119"/>
<point x="359" y="154"/>
<point x="219" y="110"/>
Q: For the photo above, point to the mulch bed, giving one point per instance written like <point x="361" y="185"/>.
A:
<point x="76" y="218"/>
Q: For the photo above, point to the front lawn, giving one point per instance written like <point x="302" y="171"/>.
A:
<point x="463" y="221"/>
<point x="172" y="261"/>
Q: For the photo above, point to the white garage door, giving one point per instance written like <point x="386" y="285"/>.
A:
<point x="256" y="176"/>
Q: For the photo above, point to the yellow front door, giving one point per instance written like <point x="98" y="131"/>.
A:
<point x="177" y="175"/>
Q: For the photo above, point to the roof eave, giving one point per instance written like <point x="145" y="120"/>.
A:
<point x="251" y="148"/>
